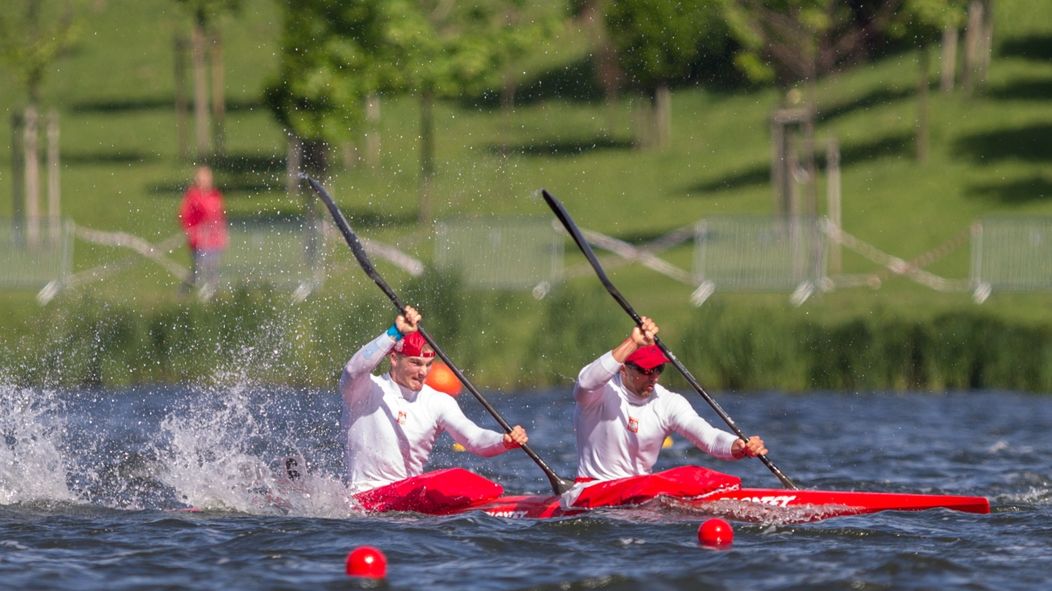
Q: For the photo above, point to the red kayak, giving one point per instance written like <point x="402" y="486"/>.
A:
<point x="687" y="489"/>
<point x="753" y="504"/>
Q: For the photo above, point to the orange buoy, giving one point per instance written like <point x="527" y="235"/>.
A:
<point x="443" y="379"/>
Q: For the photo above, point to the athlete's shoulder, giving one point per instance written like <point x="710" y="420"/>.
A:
<point x="430" y="396"/>
<point x="669" y="399"/>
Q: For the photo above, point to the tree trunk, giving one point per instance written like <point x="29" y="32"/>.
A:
<point x="182" y="101"/>
<point x="293" y="165"/>
<point x="427" y="155"/>
<point x="218" y="91"/>
<point x="986" y="40"/>
<point x="662" y="116"/>
<point x="833" y="202"/>
<point x="32" y="175"/>
<point x="950" y="36"/>
<point x="608" y="72"/>
<point x="921" y="138"/>
<point x="811" y="207"/>
<point x="507" y="109"/>
<point x="314" y="156"/>
<point x="54" y="188"/>
<point x="372" y="131"/>
<point x="201" y="125"/>
<point x="779" y="155"/>
<point x="642" y="122"/>
<point x="972" y="45"/>
<point x="18" y="170"/>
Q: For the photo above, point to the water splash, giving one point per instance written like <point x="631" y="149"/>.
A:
<point x="32" y="467"/>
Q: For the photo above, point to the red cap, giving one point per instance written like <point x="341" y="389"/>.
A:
<point x="412" y="345"/>
<point x="647" y="357"/>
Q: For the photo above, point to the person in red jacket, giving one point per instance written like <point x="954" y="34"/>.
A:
<point x="204" y="222"/>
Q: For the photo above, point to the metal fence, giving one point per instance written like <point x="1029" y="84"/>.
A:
<point x="286" y="254"/>
<point x="501" y="252"/>
<point x="1011" y="254"/>
<point x="758" y="253"/>
<point x="31" y="261"/>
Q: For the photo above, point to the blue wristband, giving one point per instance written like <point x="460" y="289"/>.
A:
<point x="394" y="333"/>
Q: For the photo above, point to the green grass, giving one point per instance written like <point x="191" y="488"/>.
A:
<point x="989" y="155"/>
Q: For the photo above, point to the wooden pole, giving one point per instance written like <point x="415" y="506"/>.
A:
<point x="293" y="165"/>
<point x="182" y="101"/>
<point x="778" y="165"/>
<point x="54" y="189"/>
<point x="32" y="175"/>
<point x="18" y="178"/>
<point x="921" y="138"/>
<point x="201" y="125"/>
<point x="427" y="156"/>
<point x="833" y="201"/>
<point x="972" y="43"/>
<point x="218" y="99"/>
<point x="372" y="131"/>
<point x="950" y="34"/>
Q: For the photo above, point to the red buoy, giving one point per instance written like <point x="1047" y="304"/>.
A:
<point x="367" y="562"/>
<point x="715" y="533"/>
<point x="443" y="379"/>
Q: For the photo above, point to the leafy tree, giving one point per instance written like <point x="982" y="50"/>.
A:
<point x="445" y="49"/>
<point x="33" y="34"/>
<point x="335" y="54"/>
<point x="921" y="23"/>
<point x="332" y="57"/>
<point x="794" y="41"/>
<point x="657" y="42"/>
<point x="205" y="41"/>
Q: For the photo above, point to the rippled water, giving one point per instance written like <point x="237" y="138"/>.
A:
<point x="93" y="487"/>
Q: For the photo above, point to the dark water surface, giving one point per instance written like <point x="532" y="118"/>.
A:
<point x="93" y="483"/>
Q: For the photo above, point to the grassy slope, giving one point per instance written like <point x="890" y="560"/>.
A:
<point x="121" y="173"/>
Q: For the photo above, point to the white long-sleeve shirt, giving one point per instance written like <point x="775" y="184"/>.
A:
<point x="620" y="434"/>
<point x="389" y="430"/>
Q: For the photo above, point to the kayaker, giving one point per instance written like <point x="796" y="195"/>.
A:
<point x="623" y="415"/>
<point x="390" y="422"/>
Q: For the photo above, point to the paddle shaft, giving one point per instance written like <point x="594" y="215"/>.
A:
<point x="572" y="228"/>
<point x="559" y="485"/>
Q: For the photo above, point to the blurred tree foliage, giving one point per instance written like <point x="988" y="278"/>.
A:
<point x="921" y="23"/>
<point x="657" y="42"/>
<point x="797" y="41"/>
<point x="332" y="56"/>
<point x="335" y="54"/>
<point x="35" y="33"/>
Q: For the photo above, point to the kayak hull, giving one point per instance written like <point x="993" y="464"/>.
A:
<point x="753" y="504"/>
<point x="681" y="490"/>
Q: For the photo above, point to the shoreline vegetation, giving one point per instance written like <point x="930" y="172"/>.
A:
<point x="257" y="335"/>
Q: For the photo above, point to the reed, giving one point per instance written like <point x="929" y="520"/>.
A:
<point x="511" y="341"/>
